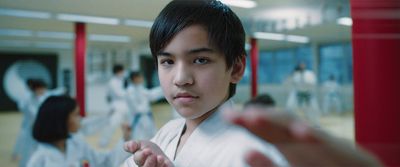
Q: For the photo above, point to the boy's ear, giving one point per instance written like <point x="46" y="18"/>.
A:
<point x="238" y="70"/>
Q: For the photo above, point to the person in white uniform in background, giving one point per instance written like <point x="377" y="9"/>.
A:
<point x="17" y="151"/>
<point x="199" y="49"/>
<point x="25" y="141"/>
<point x="304" y="82"/>
<point x="331" y="89"/>
<point x="116" y="95"/>
<point x="291" y="103"/>
<point x="56" y="129"/>
<point x="139" y="102"/>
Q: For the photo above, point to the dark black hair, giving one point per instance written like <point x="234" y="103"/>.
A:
<point x="134" y="74"/>
<point x="36" y="83"/>
<point x="29" y="83"/>
<point x="225" y="31"/>
<point x="262" y="100"/>
<point x="51" y="121"/>
<point x="117" y="68"/>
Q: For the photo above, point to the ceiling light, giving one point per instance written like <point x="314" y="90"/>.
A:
<point x="138" y="23"/>
<point x="88" y="19"/>
<point x="281" y="37"/>
<point x="240" y="3"/>
<point x="347" y="21"/>
<point x="270" y="36"/>
<point x="109" y="38"/>
<point x="24" y="13"/>
<point x="297" y="39"/>
<point x="54" y="34"/>
<point x="53" y="45"/>
<point x="16" y="32"/>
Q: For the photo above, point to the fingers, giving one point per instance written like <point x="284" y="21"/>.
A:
<point x="256" y="159"/>
<point x="147" y="154"/>
<point x="164" y="162"/>
<point x="148" y="159"/>
<point x="151" y="161"/>
<point x="303" y="132"/>
<point x="141" y="157"/>
<point x="160" y="160"/>
<point x="274" y="126"/>
<point x="132" y="146"/>
<point x="270" y="126"/>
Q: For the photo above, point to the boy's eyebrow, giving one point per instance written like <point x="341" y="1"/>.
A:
<point x="191" y="51"/>
<point x="197" y="50"/>
<point x="161" y="53"/>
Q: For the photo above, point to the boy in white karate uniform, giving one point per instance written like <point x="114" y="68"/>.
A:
<point x="139" y="102"/>
<point x="199" y="48"/>
<point x="116" y="96"/>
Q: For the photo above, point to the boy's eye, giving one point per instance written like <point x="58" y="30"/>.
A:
<point x="166" y="62"/>
<point x="201" y="61"/>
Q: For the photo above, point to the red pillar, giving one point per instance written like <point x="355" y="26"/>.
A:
<point x="80" y="48"/>
<point x="254" y="66"/>
<point x="376" y="48"/>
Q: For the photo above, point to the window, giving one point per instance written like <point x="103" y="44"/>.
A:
<point x="336" y="60"/>
<point x="276" y="66"/>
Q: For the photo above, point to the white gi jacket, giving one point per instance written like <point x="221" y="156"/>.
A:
<point x="214" y="143"/>
<point x="117" y="94"/>
<point x="140" y="98"/>
<point x="77" y="152"/>
<point x="26" y="144"/>
<point x="139" y="102"/>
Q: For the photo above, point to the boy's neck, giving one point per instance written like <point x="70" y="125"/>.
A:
<point x="191" y="124"/>
<point x="61" y="145"/>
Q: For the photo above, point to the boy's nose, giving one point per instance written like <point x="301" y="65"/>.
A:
<point x="183" y="76"/>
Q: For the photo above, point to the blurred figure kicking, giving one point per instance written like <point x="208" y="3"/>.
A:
<point x="139" y="100"/>
<point x="303" y="96"/>
<point x="116" y="95"/>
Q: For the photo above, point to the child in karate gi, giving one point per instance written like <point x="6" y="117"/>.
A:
<point x="116" y="96"/>
<point x="199" y="49"/>
<point x="39" y="92"/>
<point x="332" y="101"/>
<point x="56" y="127"/>
<point x="139" y="102"/>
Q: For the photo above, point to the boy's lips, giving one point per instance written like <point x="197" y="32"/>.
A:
<point x="185" y="97"/>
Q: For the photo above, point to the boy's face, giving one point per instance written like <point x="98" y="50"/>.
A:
<point x="40" y="91"/>
<point x="74" y="119"/>
<point x="137" y="79"/>
<point x="193" y="74"/>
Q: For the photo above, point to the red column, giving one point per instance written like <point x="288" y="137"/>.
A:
<point x="254" y="66"/>
<point x="80" y="48"/>
<point x="376" y="54"/>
